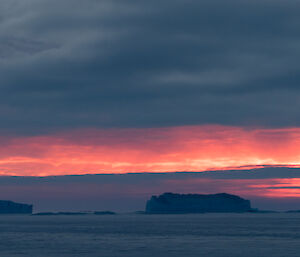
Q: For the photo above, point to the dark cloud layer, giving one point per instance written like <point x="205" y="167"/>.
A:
<point x="113" y="63"/>
<point x="129" y="192"/>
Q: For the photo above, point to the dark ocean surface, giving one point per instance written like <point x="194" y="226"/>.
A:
<point x="133" y="235"/>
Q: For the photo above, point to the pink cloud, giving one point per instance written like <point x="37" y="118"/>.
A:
<point x="188" y="148"/>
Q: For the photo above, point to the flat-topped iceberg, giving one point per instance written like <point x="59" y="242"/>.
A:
<point x="10" y="207"/>
<point x="197" y="203"/>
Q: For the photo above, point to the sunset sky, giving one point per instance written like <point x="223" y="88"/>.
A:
<point x="117" y="86"/>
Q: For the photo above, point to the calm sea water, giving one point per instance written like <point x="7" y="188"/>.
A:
<point x="215" y="235"/>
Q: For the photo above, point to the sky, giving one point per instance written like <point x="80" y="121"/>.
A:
<point x="118" y="86"/>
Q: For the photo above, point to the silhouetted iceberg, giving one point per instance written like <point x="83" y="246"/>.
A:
<point x="197" y="203"/>
<point x="293" y="211"/>
<point x="10" y="207"/>
<point x="73" y="213"/>
<point x="104" y="213"/>
<point x="58" y="213"/>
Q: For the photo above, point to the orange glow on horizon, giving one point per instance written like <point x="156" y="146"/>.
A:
<point x="187" y="148"/>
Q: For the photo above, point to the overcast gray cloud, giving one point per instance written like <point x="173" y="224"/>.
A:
<point x="112" y="63"/>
